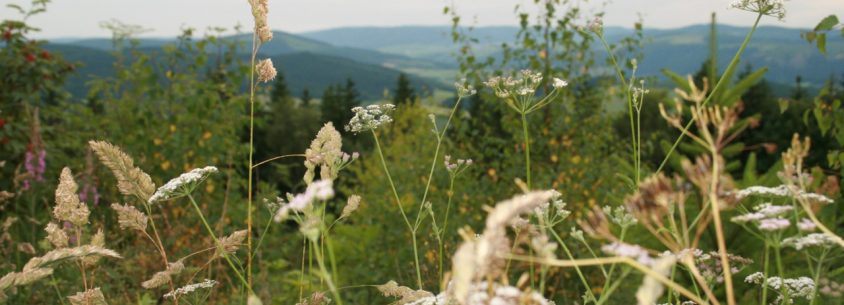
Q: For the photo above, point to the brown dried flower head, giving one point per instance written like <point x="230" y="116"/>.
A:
<point x="130" y="218"/>
<point x="324" y="152"/>
<point x="231" y="243"/>
<point x="130" y="179"/>
<point x="351" y="205"/>
<point x="56" y="236"/>
<point x="266" y="71"/>
<point x="68" y="207"/>
<point x="163" y="277"/>
<point x="700" y="174"/>
<point x="596" y="224"/>
<point x="654" y="198"/>
<point x="88" y="297"/>
<point x="407" y="295"/>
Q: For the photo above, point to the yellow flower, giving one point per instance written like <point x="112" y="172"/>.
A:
<point x="172" y="128"/>
<point x="209" y="187"/>
<point x="165" y="165"/>
<point x="207" y="135"/>
<point x="157" y="141"/>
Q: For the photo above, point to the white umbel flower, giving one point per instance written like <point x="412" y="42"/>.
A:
<point x="559" y="83"/>
<point x="182" y="185"/>
<point x="370" y="117"/>
<point x="811" y="240"/>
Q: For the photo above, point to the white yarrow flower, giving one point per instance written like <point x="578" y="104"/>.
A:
<point x="182" y="185"/>
<point x="559" y="83"/>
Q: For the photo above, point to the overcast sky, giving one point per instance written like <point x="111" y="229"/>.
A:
<point x="81" y="18"/>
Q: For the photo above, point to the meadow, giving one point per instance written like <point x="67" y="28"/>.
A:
<point x="553" y="171"/>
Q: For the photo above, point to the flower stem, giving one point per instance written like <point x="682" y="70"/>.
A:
<point x="401" y="208"/>
<point x="527" y="149"/>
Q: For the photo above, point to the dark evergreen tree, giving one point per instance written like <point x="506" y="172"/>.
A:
<point x="306" y="97"/>
<point x="404" y="91"/>
<point x="799" y="93"/>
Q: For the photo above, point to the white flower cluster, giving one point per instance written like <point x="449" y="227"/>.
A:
<point x="319" y="190"/>
<point x="207" y="284"/>
<point x="773" y="8"/>
<point x="806" y="225"/>
<point x="709" y="263"/>
<point x="524" y="85"/>
<point x="627" y="250"/>
<point x="782" y="191"/>
<point x="370" y="117"/>
<point x="464" y="89"/>
<point x="830" y="288"/>
<point x="481" y="295"/>
<point x="767" y="217"/>
<point x="620" y="216"/>
<point x="811" y="240"/>
<point x="559" y="211"/>
<point x="802" y="287"/>
<point x="182" y="185"/>
<point x="458" y="167"/>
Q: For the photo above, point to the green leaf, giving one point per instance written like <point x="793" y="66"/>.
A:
<point x="827" y="23"/>
<point x="749" y="177"/>
<point x="679" y="81"/>
<point x="783" y="103"/>
<point x="734" y="94"/>
<point x="822" y="43"/>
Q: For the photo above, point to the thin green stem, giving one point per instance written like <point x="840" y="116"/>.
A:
<point x="401" y="208"/>
<point x="629" y="98"/>
<point x="718" y="85"/>
<point x="255" y="47"/>
<point x="326" y="275"/>
<point x="435" y="161"/>
<point x="818" y="276"/>
<point x="765" y="271"/>
<point x="576" y="268"/>
<point x="217" y="243"/>
<point x="527" y="149"/>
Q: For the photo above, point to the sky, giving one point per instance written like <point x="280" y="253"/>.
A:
<point x="166" y="18"/>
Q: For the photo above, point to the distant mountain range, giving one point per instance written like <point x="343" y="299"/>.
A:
<point x="374" y="56"/>
<point x="682" y="49"/>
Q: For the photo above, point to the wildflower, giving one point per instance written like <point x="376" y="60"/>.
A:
<point x="207" y="284"/>
<point x="802" y="287"/>
<point x="182" y="185"/>
<point x="710" y="266"/>
<point x="811" y="240"/>
<point x="596" y="25"/>
<point x="782" y="191"/>
<point x="320" y="190"/>
<point x="370" y="117"/>
<point x="627" y="250"/>
<point x="464" y="89"/>
<point x="620" y="216"/>
<point x="656" y="195"/>
<point x="266" y="71"/>
<point x="260" y="8"/>
<point x="455" y="169"/>
<point x="559" y="83"/>
<point x="773" y="224"/>
<point x="316" y="298"/>
<point x="806" y="225"/>
<point x="773" y="8"/>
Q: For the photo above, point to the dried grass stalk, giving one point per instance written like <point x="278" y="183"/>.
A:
<point x="88" y="297"/>
<point x="163" y="277"/>
<point x="68" y="207"/>
<point x="130" y="218"/>
<point x="130" y="179"/>
<point x="407" y="295"/>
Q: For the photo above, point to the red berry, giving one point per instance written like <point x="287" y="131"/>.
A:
<point x="45" y="55"/>
<point x="2" y="122"/>
<point x="7" y="35"/>
<point x="29" y="57"/>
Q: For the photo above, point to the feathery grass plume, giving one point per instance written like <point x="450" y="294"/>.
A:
<point x="4" y="196"/>
<point x="406" y="295"/>
<point x="230" y="244"/>
<point x="266" y="70"/>
<point x="58" y="255"/>
<point x="131" y="180"/>
<point x="260" y="8"/>
<point x="68" y="207"/>
<point x="130" y="218"/>
<point x="56" y="236"/>
<point x="652" y="288"/>
<point x="14" y="279"/>
<point x="324" y="152"/>
<point x="163" y="277"/>
<point x="99" y="241"/>
<point x="352" y="204"/>
<point x="316" y="298"/>
<point x="88" y="297"/>
<point x="483" y="258"/>
<point x="182" y="185"/>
